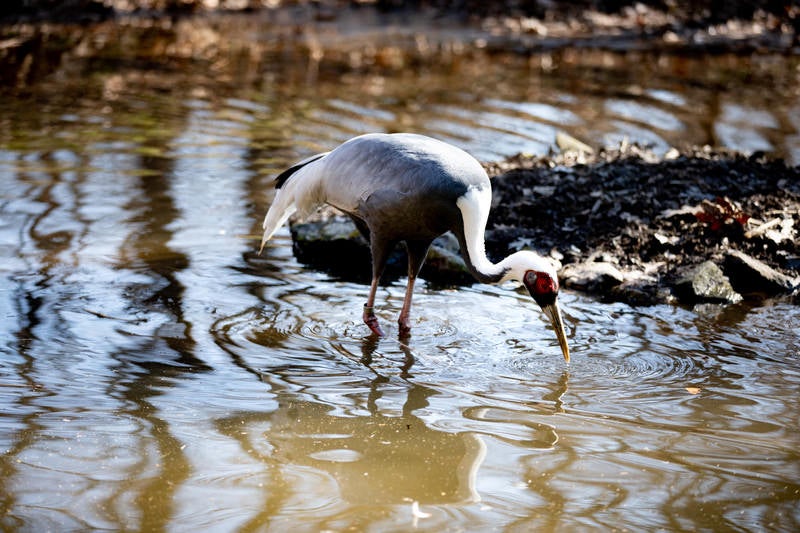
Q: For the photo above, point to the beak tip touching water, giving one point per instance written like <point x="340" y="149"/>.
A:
<point x="554" y="314"/>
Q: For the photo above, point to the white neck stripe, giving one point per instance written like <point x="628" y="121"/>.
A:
<point x="475" y="205"/>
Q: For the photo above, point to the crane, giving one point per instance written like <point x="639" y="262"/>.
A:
<point x="410" y="188"/>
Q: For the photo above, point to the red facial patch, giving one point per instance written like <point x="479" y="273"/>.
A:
<point x="540" y="283"/>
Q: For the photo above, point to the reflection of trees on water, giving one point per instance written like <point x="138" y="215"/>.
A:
<point x="99" y="270"/>
<point x="274" y="54"/>
<point x="34" y="312"/>
<point x="155" y="490"/>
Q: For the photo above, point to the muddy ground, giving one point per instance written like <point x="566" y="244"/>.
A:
<point x="650" y="217"/>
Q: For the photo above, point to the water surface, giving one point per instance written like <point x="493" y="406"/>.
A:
<point x="157" y="374"/>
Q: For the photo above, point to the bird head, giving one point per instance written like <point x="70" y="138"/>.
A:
<point x="540" y="278"/>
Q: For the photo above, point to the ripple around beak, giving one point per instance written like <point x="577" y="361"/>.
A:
<point x="554" y="314"/>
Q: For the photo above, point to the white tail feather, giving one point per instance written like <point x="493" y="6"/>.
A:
<point x="274" y="219"/>
<point x="300" y="193"/>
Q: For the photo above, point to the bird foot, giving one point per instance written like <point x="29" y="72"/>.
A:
<point x="372" y="321"/>
<point x="404" y="329"/>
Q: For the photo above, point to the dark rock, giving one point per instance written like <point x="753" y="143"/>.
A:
<point x="705" y="283"/>
<point x="444" y="264"/>
<point x="636" y="292"/>
<point x="335" y="228"/>
<point x="332" y="243"/>
<point x="751" y="276"/>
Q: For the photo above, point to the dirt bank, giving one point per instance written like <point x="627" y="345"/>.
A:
<point x="742" y="26"/>
<point x="649" y="217"/>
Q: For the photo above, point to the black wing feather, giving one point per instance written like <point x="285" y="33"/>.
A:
<point x="286" y="174"/>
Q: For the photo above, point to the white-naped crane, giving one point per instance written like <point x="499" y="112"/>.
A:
<point x="410" y="188"/>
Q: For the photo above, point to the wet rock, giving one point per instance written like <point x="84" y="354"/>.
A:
<point x="639" y="294"/>
<point x="333" y="229"/>
<point x="641" y="287"/>
<point x="444" y="264"/>
<point x="591" y="276"/>
<point x="332" y="243"/>
<point x="705" y="283"/>
<point x="749" y="275"/>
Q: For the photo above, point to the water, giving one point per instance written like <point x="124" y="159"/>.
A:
<point x="157" y="374"/>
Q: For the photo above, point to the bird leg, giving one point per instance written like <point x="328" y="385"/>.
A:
<point x="379" y="248"/>
<point x="403" y="321"/>
<point x="417" y="251"/>
<point x="369" y="310"/>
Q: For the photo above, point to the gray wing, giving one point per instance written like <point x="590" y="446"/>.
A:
<point x="411" y="165"/>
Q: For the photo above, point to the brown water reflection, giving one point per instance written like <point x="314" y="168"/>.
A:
<point x="156" y="374"/>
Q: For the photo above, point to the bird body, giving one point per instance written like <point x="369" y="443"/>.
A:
<point x="403" y="170"/>
<point x="410" y="188"/>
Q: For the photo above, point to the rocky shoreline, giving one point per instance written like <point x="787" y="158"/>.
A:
<point x="622" y="224"/>
<point x="679" y="26"/>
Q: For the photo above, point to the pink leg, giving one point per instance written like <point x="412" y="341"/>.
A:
<point x="369" y="314"/>
<point x="417" y="250"/>
<point x="405" y="326"/>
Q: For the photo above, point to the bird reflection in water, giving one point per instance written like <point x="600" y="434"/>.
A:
<point x="369" y="345"/>
<point x="374" y="454"/>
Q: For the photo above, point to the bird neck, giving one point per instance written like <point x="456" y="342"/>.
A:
<point x="474" y="206"/>
<point x="473" y="250"/>
<point x="484" y="270"/>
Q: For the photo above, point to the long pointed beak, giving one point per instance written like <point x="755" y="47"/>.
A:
<point x="554" y="314"/>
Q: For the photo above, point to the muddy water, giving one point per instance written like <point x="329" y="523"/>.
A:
<point x="156" y="374"/>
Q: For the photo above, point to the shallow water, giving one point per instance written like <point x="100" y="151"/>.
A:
<point x="157" y="374"/>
